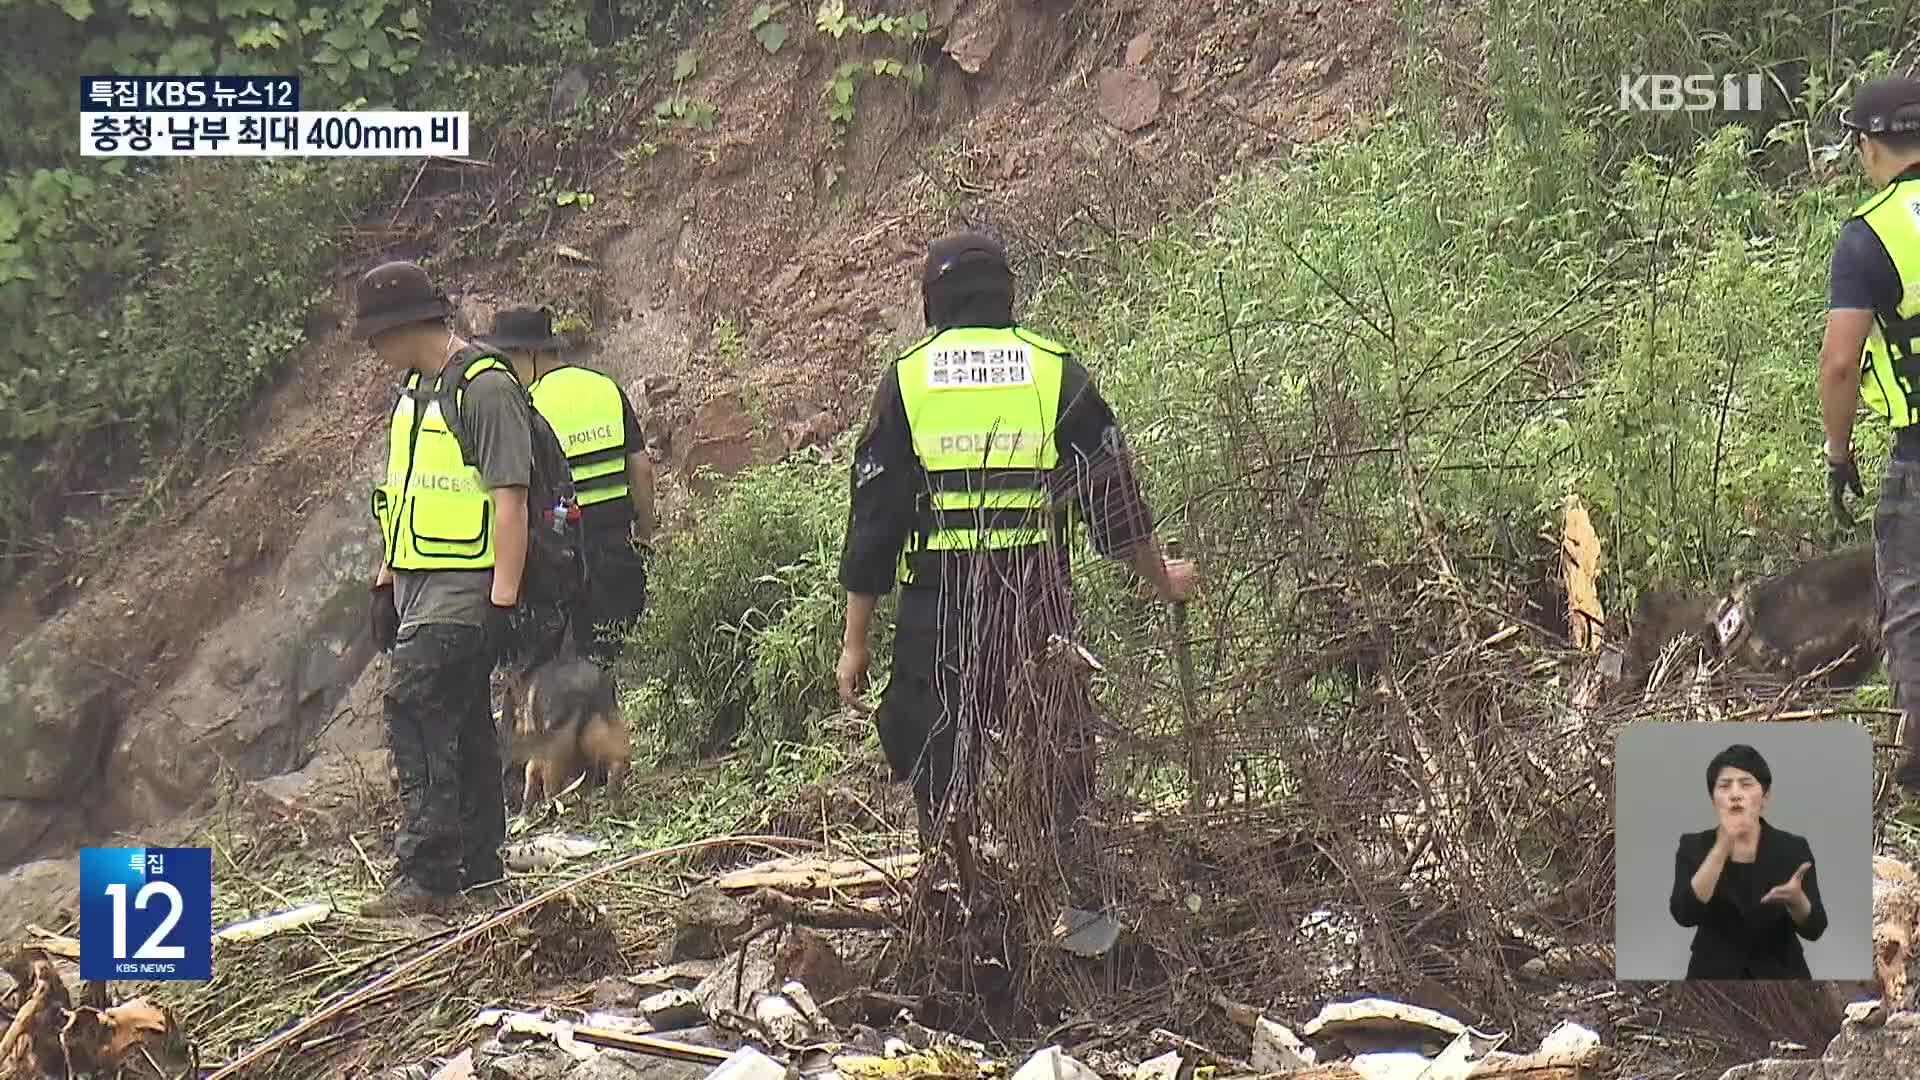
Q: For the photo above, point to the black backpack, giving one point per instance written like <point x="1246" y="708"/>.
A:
<point x="555" y="579"/>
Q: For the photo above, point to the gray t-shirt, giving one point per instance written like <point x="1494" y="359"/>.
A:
<point x="494" y="410"/>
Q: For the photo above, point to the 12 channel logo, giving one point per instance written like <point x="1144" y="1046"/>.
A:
<point x="146" y="913"/>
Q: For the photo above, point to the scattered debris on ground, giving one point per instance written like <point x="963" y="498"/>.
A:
<point x="47" y="1034"/>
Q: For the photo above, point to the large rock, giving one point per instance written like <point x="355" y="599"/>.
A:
<point x="706" y="925"/>
<point x="1127" y="99"/>
<point x="1860" y="1052"/>
<point x="975" y="36"/>
<point x="272" y="673"/>
<point x="46" y="892"/>
<point x="803" y="954"/>
<point x="56" y="719"/>
<point x="722" y="437"/>
<point x="26" y="826"/>
<point x="624" y="1065"/>
<point x="1875" y="1053"/>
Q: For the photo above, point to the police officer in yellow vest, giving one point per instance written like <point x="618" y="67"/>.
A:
<point x="1871" y="352"/>
<point x="612" y="472"/>
<point x="454" y="540"/>
<point x="981" y="437"/>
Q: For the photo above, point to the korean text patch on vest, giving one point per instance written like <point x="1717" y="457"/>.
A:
<point x="998" y="365"/>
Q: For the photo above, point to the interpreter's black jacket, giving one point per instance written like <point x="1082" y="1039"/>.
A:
<point x="1735" y="935"/>
<point x="888" y="481"/>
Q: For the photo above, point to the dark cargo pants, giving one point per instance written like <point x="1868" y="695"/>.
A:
<point x="616" y="592"/>
<point x="440" y="729"/>
<point x="948" y="687"/>
<point x="1896" y="548"/>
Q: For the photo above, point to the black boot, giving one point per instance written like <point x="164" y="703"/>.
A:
<point x="1907" y="773"/>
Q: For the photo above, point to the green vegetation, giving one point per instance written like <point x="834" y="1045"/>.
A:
<point x="1579" y="301"/>
<point x="743" y="609"/>
<point x="147" y="310"/>
<point x="856" y="33"/>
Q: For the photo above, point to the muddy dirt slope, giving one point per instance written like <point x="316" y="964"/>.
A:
<point x="743" y="281"/>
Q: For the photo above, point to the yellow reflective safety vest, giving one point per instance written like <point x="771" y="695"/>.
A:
<point x="982" y="404"/>
<point x="583" y="407"/>
<point x="433" y="509"/>
<point x="1888" y="368"/>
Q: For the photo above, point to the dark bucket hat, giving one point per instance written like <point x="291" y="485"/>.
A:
<point x="524" y="328"/>
<point x="395" y="294"/>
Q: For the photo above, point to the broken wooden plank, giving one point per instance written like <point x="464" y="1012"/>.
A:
<point x="1580" y="560"/>
<point x="1572" y="1065"/>
<point x="51" y="943"/>
<point x="597" y="1036"/>
<point x="812" y="875"/>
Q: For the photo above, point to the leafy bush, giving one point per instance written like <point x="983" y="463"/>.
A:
<point x="1556" y="67"/>
<point x="1411" y="279"/>
<point x="744" y="613"/>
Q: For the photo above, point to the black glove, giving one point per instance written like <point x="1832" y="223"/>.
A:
<point x="383" y="617"/>
<point x="1842" y="477"/>
<point x="498" y="632"/>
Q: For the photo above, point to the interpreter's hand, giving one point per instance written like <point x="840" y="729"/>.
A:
<point x="1842" y="477"/>
<point x="1182" y="579"/>
<point x="1737" y="823"/>
<point x="852" y="673"/>
<point x="1790" y="891"/>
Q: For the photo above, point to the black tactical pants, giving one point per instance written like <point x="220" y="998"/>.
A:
<point x="616" y="591"/>
<point x="1896" y="549"/>
<point x="440" y="728"/>
<point x="952" y="664"/>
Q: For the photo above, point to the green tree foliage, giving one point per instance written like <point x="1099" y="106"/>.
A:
<point x="1556" y="67"/>
<point x="151" y="299"/>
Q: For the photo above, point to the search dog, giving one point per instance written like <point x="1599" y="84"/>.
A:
<point x="565" y="720"/>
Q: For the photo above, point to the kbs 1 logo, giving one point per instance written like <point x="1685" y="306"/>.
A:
<point x="146" y="913"/>
<point x="1690" y="93"/>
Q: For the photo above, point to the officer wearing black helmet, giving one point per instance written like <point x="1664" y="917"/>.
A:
<point x="981" y="436"/>
<point x="1871" y="352"/>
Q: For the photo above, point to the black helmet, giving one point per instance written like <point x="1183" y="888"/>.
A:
<point x="976" y="251"/>
<point x="1887" y="106"/>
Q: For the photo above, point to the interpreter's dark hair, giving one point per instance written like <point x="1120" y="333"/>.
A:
<point x="1743" y="757"/>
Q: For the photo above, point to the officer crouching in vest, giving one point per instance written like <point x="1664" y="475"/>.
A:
<point x="612" y="473"/>
<point x="980" y="436"/>
<point x="455" y="540"/>
<point x="1869" y="354"/>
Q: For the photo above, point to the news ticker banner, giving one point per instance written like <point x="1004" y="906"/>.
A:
<point x="146" y="913"/>
<point x="247" y="116"/>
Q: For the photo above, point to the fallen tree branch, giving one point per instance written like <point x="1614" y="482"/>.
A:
<point x="826" y="915"/>
<point x="372" y="990"/>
